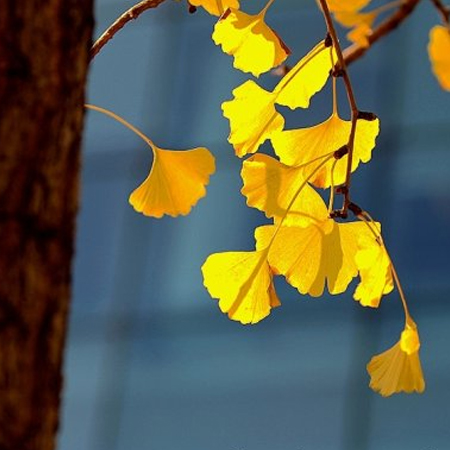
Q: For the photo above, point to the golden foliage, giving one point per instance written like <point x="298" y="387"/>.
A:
<point x="296" y="147"/>
<point x="253" y="117"/>
<point x="256" y="48"/>
<point x="242" y="281"/>
<point x="439" y="52"/>
<point x="310" y="257"/>
<point x="398" y="369"/>
<point x="175" y="183"/>
<point x="270" y="186"/>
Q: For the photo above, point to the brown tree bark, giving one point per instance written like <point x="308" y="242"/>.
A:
<point x="44" y="54"/>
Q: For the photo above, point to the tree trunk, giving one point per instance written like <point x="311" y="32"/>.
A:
<point x="44" y="53"/>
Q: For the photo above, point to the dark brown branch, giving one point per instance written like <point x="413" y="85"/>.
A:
<point x="351" y="100"/>
<point x="133" y="13"/>
<point x="444" y="11"/>
<point x="355" y="51"/>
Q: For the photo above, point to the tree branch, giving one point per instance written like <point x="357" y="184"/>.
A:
<point x="345" y="190"/>
<point x="443" y="10"/>
<point x="355" y="51"/>
<point x="133" y="13"/>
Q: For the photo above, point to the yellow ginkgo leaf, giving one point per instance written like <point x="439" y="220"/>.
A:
<point x="360" y="35"/>
<point x="374" y="268"/>
<point x="253" y="117"/>
<point x="352" y="19"/>
<point x="360" y="22"/>
<point x="398" y="369"/>
<point x="439" y="52"/>
<point x="270" y="186"/>
<point x="306" y="78"/>
<point x="176" y="182"/>
<point x="242" y="281"/>
<point x="255" y="46"/>
<point x="346" y="5"/>
<point x="302" y="145"/>
<point x="309" y="257"/>
<point x="216" y="7"/>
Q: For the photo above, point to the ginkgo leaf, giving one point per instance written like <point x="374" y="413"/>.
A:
<point x="253" y="117"/>
<point x="306" y="78"/>
<point x="216" y="7"/>
<point x="360" y="22"/>
<point x="270" y="186"/>
<point x="255" y="46"/>
<point x="360" y="35"/>
<point x="312" y="256"/>
<point x="302" y="145"/>
<point x="346" y="5"/>
<point x="352" y="19"/>
<point x="439" y="52"/>
<point x="176" y="182"/>
<point x="398" y="369"/>
<point x="375" y="271"/>
<point x="242" y="281"/>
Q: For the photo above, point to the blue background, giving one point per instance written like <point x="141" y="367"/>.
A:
<point x="152" y="363"/>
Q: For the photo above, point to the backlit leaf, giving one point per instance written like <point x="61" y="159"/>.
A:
<point x="255" y="46"/>
<point x="398" y="369"/>
<point x="176" y="182"/>
<point x="270" y="186"/>
<point x="242" y="281"/>
<point x="301" y="145"/>
<point x="306" y="78"/>
<point x="374" y="268"/>
<point x="312" y="256"/>
<point x="252" y="117"/>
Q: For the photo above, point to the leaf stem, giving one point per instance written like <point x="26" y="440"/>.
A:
<point x="132" y="13"/>
<point x="335" y="106"/>
<point x="332" y="188"/>
<point x="116" y="117"/>
<point x="268" y="5"/>
<point x="351" y="101"/>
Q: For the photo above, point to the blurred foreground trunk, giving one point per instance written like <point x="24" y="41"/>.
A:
<point x="44" y="52"/>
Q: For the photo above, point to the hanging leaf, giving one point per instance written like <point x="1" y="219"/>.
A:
<point x="256" y="48"/>
<point x="242" y="281"/>
<point x="296" y="147"/>
<point x="176" y="182"/>
<point x="375" y="271"/>
<point x="312" y="256"/>
<point x="398" y="369"/>
<point x="252" y="117"/>
<point x="306" y="78"/>
<point x="270" y="186"/>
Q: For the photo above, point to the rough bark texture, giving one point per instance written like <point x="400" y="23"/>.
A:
<point x="44" y="53"/>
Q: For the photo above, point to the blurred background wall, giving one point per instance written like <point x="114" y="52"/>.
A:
<point x="152" y="364"/>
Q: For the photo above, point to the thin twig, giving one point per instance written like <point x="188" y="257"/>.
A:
<point x="351" y="100"/>
<point x="131" y="14"/>
<point x="444" y="11"/>
<point x="355" y="51"/>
